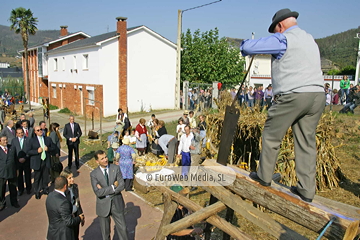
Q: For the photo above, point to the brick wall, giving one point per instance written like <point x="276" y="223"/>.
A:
<point x="70" y="97"/>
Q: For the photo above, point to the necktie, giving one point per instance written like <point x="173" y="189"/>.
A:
<point x="42" y="144"/>
<point x="26" y="133"/>
<point x="72" y="128"/>
<point x="5" y="150"/>
<point x="106" y="176"/>
<point x="21" y="142"/>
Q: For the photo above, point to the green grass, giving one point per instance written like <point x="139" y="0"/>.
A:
<point x="52" y="107"/>
<point x="65" y="110"/>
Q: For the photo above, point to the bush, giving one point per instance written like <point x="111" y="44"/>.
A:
<point x="52" y="107"/>
<point x="65" y="110"/>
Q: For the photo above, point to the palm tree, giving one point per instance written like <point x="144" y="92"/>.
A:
<point x="23" y="22"/>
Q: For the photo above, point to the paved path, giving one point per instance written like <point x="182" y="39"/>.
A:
<point x="30" y="221"/>
<point x="107" y="125"/>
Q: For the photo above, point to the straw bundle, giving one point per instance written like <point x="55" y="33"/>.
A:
<point x="247" y="144"/>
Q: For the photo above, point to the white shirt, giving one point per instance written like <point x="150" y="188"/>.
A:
<point x="107" y="170"/>
<point x="185" y="143"/>
<point x="60" y="192"/>
<point x="182" y="127"/>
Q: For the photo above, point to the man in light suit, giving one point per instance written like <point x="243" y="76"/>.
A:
<point x="59" y="211"/>
<point x="107" y="184"/>
<point x="72" y="133"/>
<point x="22" y="161"/>
<point x="39" y="148"/>
<point x="9" y="131"/>
<point x="7" y="173"/>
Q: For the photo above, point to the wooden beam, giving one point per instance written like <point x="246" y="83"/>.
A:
<point x="352" y="231"/>
<point x="279" y="199"/>
<point x="193" y="218"/>
<point x="214" y="220"/>
<point x="169" y="211"/>
<point x="259" y="218"/>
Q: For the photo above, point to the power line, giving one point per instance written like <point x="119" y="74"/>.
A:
<point x="201" y="6"/>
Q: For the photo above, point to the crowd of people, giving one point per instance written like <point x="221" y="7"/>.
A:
<point x="198" y="98"/>
<point x="348" y="95"/>
<point x="26" y="148"/>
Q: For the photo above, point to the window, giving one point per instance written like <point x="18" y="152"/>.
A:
<point x="63" y="63"/>
<point x="86" y="61"/>
<point x="91" y="97"/>
<point x="55" y="64"/>
<point x="54" y="91"/>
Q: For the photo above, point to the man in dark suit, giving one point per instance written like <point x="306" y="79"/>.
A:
<point x="42" y="125"/>
<point x="22" y="161"/>
<point x="72" y="133"/>
<point x="28" y="131"/>
<point x="19" y="122"/>
<point x="9" y="131"/>
<point x="107" y="183"/>
<point x="59" y="211"/>
<point x="7" y="173"/>
<point x="39" y="148"/>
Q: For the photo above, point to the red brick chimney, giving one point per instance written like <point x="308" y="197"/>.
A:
<point x="122" y="45"/>
<point x="63" y="31"/>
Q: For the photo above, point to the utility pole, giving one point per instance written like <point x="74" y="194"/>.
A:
<point x="178" y="61"/>
<point x="358" y="61"/>
<point x="178" y="50"/>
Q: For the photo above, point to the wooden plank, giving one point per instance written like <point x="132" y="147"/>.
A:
<point x="193" y="218"/>
<point x="352" y="231"/>
<point x="169" y="207"/>
<point x="279" y="199"/>
<point x="252" y="214"/>
<point x="217" y="221"/>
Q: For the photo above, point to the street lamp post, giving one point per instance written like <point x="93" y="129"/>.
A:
<point x="178" y="49"/>
<point x="358" y="61"/>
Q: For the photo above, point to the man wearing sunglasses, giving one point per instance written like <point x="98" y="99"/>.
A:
<point x="39" y="148"/>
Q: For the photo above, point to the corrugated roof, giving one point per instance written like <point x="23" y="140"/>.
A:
<point x="92" y="41"/>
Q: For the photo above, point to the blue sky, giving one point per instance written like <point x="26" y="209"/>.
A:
<point x="234" y="18"/>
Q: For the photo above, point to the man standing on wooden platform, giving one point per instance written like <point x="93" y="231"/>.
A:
<point x="299" y="95"/>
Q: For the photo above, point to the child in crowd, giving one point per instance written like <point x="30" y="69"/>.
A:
<point x="127" y="135"/>
<point x="133" y="140"/>
<point x="180" y="128"/>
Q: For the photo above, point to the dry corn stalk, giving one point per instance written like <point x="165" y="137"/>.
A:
<point x="247" y="144"/>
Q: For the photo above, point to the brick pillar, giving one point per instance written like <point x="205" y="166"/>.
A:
<point x="122" y="43"/>
<point x="63" y="31"/>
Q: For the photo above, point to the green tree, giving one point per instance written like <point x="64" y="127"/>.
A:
<point x="348" y="70"/>
<point x="206" y="58"/>
<point x="23" y="22"/>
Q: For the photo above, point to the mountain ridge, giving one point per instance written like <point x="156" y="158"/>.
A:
<point x="339" y="48"/>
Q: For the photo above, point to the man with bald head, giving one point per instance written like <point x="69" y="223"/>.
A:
<point x="297" y="83"/>
<point x="39" y="148"/>
<point x="9" y="131"/>
<point x="72" y="133"/>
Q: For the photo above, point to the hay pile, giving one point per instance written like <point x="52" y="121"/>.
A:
<point x="247" y="144"/>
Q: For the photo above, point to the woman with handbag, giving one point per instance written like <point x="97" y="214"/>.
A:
<point x="56" y="165"/>
<point x="73" y="195"/>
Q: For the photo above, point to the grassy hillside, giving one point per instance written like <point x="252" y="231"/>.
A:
<point x="10" y="42"/>
<point x="340" y="48"/>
